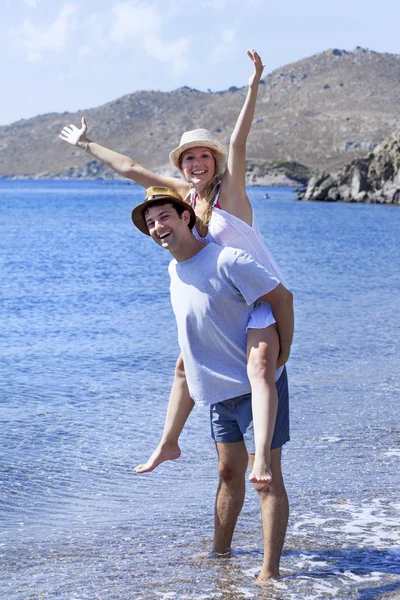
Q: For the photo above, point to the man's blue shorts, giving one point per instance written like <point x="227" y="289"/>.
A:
<point x="232" y="420"/>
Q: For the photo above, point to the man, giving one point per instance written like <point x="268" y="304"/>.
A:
<point x="213" y="291"/>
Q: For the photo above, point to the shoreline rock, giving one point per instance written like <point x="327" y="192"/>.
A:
<point x="373" y="179"/>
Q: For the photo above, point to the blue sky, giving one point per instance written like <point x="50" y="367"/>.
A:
<point x="69" y="55"/>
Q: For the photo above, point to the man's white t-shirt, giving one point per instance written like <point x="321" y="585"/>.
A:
<point x="212" y="295"/>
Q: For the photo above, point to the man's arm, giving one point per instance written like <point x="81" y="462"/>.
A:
<point x="281" y="301"/>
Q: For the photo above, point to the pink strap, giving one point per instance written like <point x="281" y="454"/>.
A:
<point x="194" y="200"/>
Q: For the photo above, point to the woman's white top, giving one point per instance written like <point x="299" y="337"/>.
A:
<point x="227" y="230"/>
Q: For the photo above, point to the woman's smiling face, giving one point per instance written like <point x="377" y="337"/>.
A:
<point x="198" y="165"/>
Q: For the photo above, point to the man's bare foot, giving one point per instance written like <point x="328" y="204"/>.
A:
<point x="207" y="555"/>
<point x="261" y="472"/>
<point x="266" y="576"/>
<point x="161" y="454"/>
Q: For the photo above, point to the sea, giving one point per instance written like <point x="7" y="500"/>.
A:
<point x="87" y="351"/>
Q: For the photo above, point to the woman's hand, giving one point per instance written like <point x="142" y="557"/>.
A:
<point x="75" y="136"/>
<point x="258" y="67"/>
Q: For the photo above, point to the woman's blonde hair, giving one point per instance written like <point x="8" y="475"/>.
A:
<point x="211" y="189"/>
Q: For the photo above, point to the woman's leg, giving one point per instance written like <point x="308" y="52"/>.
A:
<point x="179" y="408"/>
<point x="262" y="354"/>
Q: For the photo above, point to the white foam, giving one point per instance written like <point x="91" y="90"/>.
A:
<point x="353" y="576"/>
<point x="393" y="452"/>
<point x="353" y="536"/>
<point x="373" y="524"/>
<point x="253" y="572"/>
<point x="310" y="521"/>
<point x="369" y="524"/>
<point x="245" y="592"/>
<point x="325" y="588"/>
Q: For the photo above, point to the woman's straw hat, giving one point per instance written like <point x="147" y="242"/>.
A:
<point x="194" y="138"/>
<point x="159" y="193"/>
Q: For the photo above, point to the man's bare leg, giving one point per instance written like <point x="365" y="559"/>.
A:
<point x="232" y="465"/>
<point x="274" y="514"/>
<point x="180" y="406"/>
<point x="262" y="354"/>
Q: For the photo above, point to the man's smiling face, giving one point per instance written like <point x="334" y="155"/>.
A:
<point x="167" y="228"/>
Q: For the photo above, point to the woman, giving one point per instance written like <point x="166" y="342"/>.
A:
<point x="214" y="183"/>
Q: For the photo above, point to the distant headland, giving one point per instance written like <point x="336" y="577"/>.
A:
<point x="313" y="117"/>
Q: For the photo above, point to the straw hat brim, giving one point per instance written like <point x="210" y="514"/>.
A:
<point x="213" y="144"/>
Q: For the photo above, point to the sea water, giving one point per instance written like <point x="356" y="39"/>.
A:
<point x="87" y="351"/>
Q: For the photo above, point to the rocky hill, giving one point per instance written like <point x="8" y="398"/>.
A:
<point x="321" y="112"/>
<point x="374" y="178"/>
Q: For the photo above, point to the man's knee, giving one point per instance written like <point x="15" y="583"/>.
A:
<point x="230" y="473"/>
<point x="232" y="462"/>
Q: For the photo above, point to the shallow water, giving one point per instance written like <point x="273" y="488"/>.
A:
<point x="87" y="348"/>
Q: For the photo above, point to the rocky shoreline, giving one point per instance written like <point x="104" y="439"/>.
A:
<point x="373" y="179"/>
<point x="259" y="173"/>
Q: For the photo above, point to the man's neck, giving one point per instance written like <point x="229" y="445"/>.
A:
<point x="191" y="247"/>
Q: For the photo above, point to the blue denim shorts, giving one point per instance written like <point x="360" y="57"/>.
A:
<point x="232" y="420"/>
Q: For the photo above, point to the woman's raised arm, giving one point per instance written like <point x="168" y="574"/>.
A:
<point x="233" y="197"/>
<point x="125" y="166"/>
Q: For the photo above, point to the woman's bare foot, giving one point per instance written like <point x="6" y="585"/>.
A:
<point x="261" y="472"/>
<point x="162" y="453"/>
